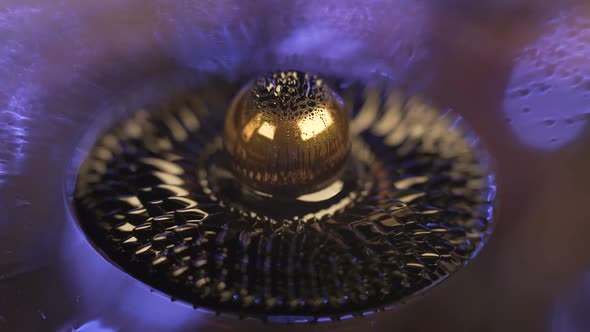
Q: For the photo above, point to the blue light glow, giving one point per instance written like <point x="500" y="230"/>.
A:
<point x="548" y="98"/>
<point x="105" y="291"/>
<point x="571" y="311"/>
<point x="94" y="326"/>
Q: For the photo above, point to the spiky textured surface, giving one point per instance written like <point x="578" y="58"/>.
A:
<point x="427" y="213"/>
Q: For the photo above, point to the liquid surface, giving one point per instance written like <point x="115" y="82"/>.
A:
<point x="422" y="210"/>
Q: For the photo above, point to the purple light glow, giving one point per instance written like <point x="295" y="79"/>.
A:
<point x="571" y="311"/>
<point x="93" y="326"/>
<point x="108" y="294"/>
<point x="548" y="98"/>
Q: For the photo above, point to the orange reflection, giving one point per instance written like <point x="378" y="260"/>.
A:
<point x="256" y="124"/>
<point x="311" y="127"/>
<point x="267" y="130"/>
<point x="250" y="127"/>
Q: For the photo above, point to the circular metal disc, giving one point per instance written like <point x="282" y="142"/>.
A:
<point x="144" y="199"/>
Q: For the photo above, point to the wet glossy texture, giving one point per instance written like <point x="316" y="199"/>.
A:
<point x="71" y="69"/>
<point x="413" y="205"/>
<point x="287" y="132"/>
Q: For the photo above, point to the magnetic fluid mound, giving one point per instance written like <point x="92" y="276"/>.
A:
<point x="291" y="198"/>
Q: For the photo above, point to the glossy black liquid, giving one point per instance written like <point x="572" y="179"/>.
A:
<point x="161" y="211"/>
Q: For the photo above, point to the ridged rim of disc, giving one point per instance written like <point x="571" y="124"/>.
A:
<point x="428" y="213"/>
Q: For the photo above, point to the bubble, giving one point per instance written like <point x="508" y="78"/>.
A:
<point x="550" y="70"/>
<point x="542" y="87"/>
<point x="524" y="92"/>
<point x="549" y="122"/>
<point x="550" y="84"/>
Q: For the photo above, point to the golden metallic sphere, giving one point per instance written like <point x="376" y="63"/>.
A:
<point x="287" y="132"/>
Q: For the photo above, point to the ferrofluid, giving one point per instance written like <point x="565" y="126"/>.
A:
<point x="293" y="198"/>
